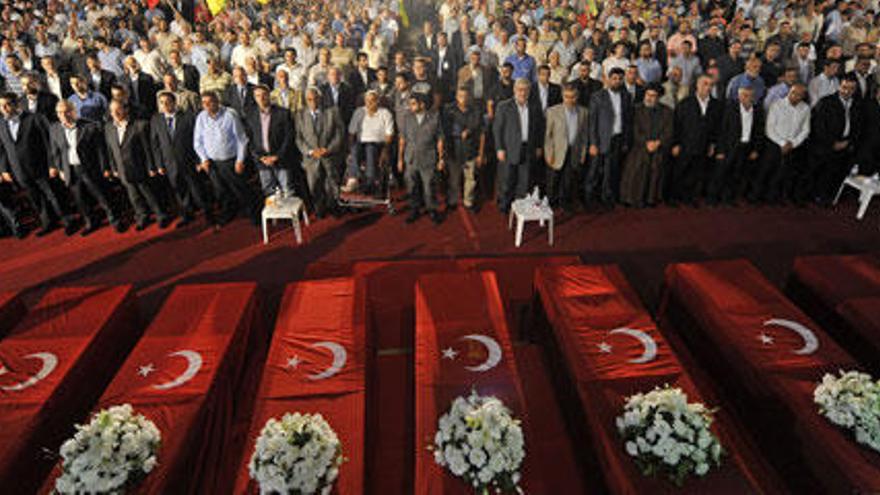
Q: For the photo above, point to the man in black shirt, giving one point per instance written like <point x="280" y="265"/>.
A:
<point x="466" y="140"/>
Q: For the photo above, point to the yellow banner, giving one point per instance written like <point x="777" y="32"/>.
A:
<point x="216" y="6"/>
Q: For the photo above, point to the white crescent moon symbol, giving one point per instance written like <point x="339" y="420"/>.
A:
<point x="194" y="364"/>
<point x="811" y="343"/>
<point x="647" y="342"/>
<point x="340" y="357"/>
<point x="491" y="346"/>
<point x="50" y="361"/>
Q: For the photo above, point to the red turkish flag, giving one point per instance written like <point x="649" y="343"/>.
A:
<point x="317" y="364"/>
<point x="52" y="368"/>
<point x="462" y="343"/>
<point x="613" y="350"/>
<point x="182" y="375"/>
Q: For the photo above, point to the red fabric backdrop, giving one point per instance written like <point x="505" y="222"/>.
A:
<point x="729" y="303"/>
<point x="450" y="307"/>
<point x="80" y="334"/>
<point x="11" y="310"/>
<point x="583" y="305"/>
<point x="315" y="317"/>
<point x="193" y="404"/>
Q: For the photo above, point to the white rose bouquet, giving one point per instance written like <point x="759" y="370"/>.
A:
<point x="111" y="454"/>
<point x="665" y="434"/>
<point x="852" y="400"/>
<point x="299" y="454"/>
<point x="480" y="441"/>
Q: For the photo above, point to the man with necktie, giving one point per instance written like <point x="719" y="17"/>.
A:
<point x="319" y="137"/>
<point x="24" y="141"/>
<point x="171" y="132"/>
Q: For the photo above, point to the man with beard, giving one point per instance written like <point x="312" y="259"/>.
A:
<point x="642" y="181"/>
<point x="24" y="138"/>
<point x="78" y="155"/>
<point x="610" y="140"/>
<point x="36" y="100"/>
<point x="421" y="152"/>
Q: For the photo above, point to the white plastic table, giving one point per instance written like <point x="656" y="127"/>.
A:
<point x="867" y="186"/>
<point x="529" y="210"/>
<point x="286" y="209"/>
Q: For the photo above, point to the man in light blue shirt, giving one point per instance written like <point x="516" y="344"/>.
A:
<point x="110" y="57"/>
<point x="781" y="89"/>
<point x="89" y="105"/>
<point x="221" y="142"/>
<point x="523" y="63"/>
<point x="750" y="78"/>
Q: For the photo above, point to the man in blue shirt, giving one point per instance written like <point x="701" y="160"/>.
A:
<point x="750" y="78"/>
<point x="221" y="142"/>
<point x="523" y="63"/>
<point x="89" y="105"/>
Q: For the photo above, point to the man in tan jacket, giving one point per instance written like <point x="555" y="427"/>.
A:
<point x="565" y="145"/>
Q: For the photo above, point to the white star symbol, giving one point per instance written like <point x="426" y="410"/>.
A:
<point x="293" y="362"/>
<point x="449" y="353"/>
<point x="146" y="370"/>
<point x="604" y="347"/>
<point x="766" y="339"/>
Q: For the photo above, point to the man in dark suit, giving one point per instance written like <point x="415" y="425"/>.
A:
<point x="131" y="161"/>
<point x="171" y="132"/>
<point x="239" y="95"/>
<point x="141" y="87"/>
<point x="36" y="100"/>
<point x="868" y="155"/>
<point x="463" y="38"/>
<point x="100" y="80"/>
<point x="271" y="138"/>
<point x="518" y="130"/>
<point x="338" y="94"/>
<point x="586" y="85"/>
<point x="319" y="137"/>
<point x="24" y="159"/>
<point x="866" y="83"/>
<point x="835" y="128"/>
<point x="545" y="93"/>
<point x="427" y="41"/>
<point x="361" y="77"/>
<point x="730" y="64"/>
<point x="77" y="150"/>
<point x="187" y="74"/>
<point x="52" y="78"/>
<point x="634" y="88"/>
<point x="739" y="145"/>
<point x="445" y="63"/>
<point x="610" y="139"/>
<point x="697" y="123"/>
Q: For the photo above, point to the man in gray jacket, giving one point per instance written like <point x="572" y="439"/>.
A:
<point x="421" y="145"/>
<point x="319" y="137"/>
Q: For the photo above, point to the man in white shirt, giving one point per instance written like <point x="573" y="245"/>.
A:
<point x="372" y="128"/>
<point x="739" y="145"/>
<point x="788" y="125"/>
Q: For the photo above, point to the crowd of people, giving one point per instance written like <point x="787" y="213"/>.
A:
<point x="112" y="107"/>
